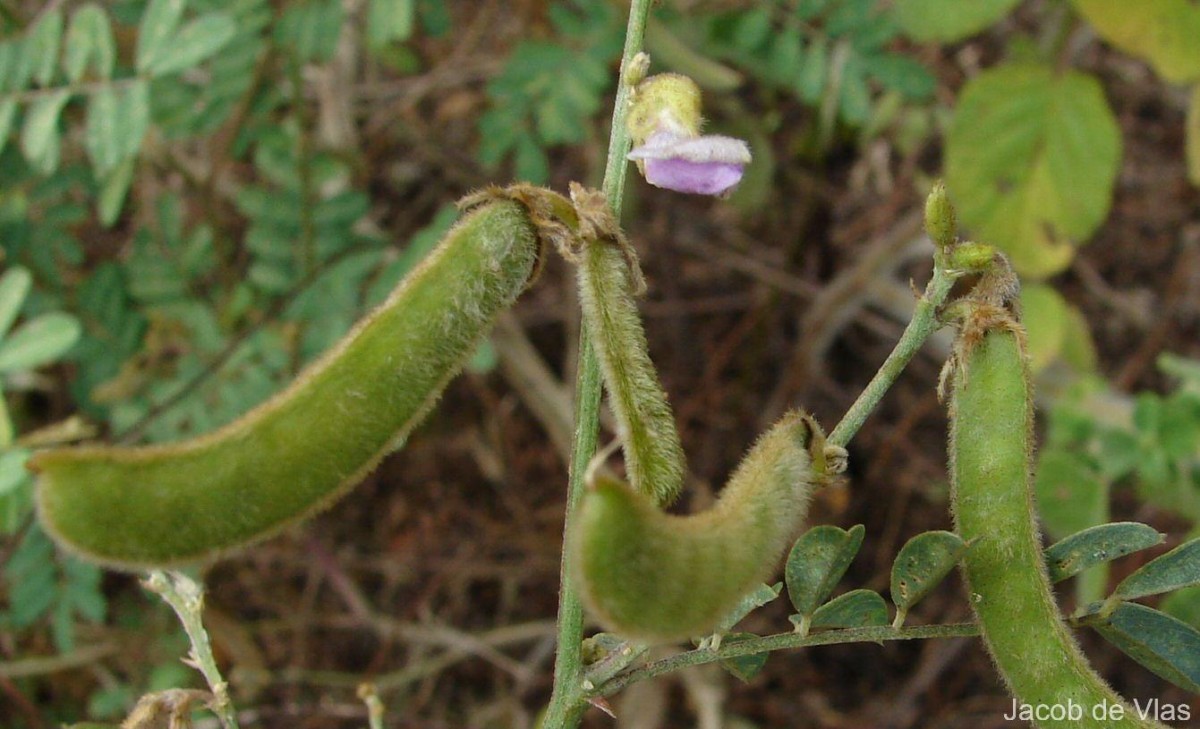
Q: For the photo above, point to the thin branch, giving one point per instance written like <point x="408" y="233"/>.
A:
<point x="782" y="641"/>
<point x="924" y="322"/>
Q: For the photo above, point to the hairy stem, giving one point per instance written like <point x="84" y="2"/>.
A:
<point x="781" y="641"/>
<point x="567" y="702"/>
<point x="924" y="322"/>
<point x="186" y="598"/>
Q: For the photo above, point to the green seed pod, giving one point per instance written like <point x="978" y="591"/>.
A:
<point x="991" y="420"/>
<point x="654" y="459"/>
<point x="659" y="577"/>
<point x="304" y="448"/>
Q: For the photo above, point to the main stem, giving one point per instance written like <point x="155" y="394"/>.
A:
<point x="567" y="702"/>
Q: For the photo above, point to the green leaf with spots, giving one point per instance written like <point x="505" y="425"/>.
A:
<point x="855" y="609"/>
<point x="1031" y="160"/>
<point x="923" y="562"/>
<point x="1096" y="545"/>
<point x="816" y="563"/>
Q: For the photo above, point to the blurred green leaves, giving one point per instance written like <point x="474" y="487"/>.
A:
<point x="948" y="20"/>
<point x="82" y="67"/>
<point x="832" y="53"/>
<point x="1031" y="160"/>
<point x="548" y="93"/>
<point x="1163" y="32"/>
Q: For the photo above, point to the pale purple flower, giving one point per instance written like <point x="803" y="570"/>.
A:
<point x="701" y="165"/>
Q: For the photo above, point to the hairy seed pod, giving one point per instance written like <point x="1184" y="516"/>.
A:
<point x="991" y="421"/>
<point x="659" y="577"/>
<point x="305" y="447"/>
<point x="654" y="458"/>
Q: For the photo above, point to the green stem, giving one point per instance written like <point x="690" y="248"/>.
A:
<point x="186" y="598"/>
<point x="567" y="702"/>
<point x="924" y="322"/>
<point x="782" y="641"/>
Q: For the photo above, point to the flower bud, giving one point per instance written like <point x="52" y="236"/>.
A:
<point x="939" y="217"/>
<point x="664" y="124"/>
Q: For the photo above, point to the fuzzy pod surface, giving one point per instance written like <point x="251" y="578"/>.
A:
<point x="132" y="507"/>
<point x="659" y="577"/>
<point x="654" y="459"/>
<point x="991" y="422"/>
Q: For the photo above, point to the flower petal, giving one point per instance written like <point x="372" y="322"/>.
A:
<point x="708" y="148"/>
<point x="698" y="178"/>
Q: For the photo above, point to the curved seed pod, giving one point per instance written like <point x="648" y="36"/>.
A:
<point x="991" y="421"/>
<point x="654" y="458"/>
<point x="301" y="450"/>
<point x="659" y="577"/>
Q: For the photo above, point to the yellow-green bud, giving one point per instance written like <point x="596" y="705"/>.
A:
<point x="939" y="217"/>
<point x="665" y="102"/>
<point x="972" y="256"/>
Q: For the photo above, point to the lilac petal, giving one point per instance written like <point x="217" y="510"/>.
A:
<point x="709" y="148"/>
<point x="698" y="178"/>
